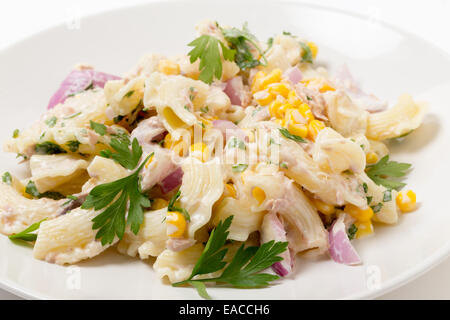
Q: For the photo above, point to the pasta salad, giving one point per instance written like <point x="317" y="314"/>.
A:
<point x="227" y="165"/>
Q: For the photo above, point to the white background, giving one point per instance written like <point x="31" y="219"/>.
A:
<point x="428" y="19"/>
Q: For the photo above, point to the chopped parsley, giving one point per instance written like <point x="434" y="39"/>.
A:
<point x="98" y="128"/>
<point x="51" y="122"/>
<point x="73" y="145"/>
<point x="239" y="167"/>
<point x="291" y="136"/>
<point x="48" y="148"/>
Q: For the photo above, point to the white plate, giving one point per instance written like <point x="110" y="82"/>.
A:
<point x="386" y="60"/>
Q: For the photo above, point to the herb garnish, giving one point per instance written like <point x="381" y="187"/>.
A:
<point x="351" y="232"/>
<point x="115" y="196"/>
<point x="15" y="133"/>
<point x="291" y="136"/>
<point x="384" y="169"/>
<point x="27" y="235"/>
<point x="73" y="145"/>
<point x="206" y="48"/>
<point x="6" y="178"/>
<point x="244" y="269"/>
<point x="172" y="207"/>
<point x="239" y="167"/>
<point x="239" y="40"/>
<point x="48" y="148"/>
<point x="98" y="128"/>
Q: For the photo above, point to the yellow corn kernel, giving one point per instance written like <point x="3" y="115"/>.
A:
<point x="305" y="111"/>
<point x="257" y="79"/>
<point x="273" y="77"/>
<point x="230" y="190"/>
<point x="313" y="47"/>
<point x="169" y="142"/>
<point x="259" y="195"/>
<point x="273" y="108"/>
<point x="406" y="201"/>
<point x="281" y="122"/>
<point x="314" y="127"/>
<point x="326" y="87"/>
<point x="176" y="224"/>
<point x="358" y="213"/>
<point x="200" y="151"/>
<point x="279" y="89"/>
<point x="371" y="158"/>
<point x="281" y="111"/>
<point x="292" y="97"/>
<point x="364" y="229"/>
<point x="323" y="207"/>
<point x="149" y="161"/>
<point x="264" y="97"/>
<point x="168" y="67"/>
<point x="298" y="129"/>
<point x="159" y="203"/>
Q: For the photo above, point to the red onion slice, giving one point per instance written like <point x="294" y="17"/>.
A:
<point x="294" y="75"/>
<point x="341" y="250"/>
<point x="172" y="181"/>
<point x="79" y="80"/>
<point x="234" y="90"/>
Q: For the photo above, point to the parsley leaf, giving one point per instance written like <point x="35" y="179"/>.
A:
<point x="33" y="191"/>
<point x="351" y="232"/>
<point x="239" y="41"/>
<point x="306" y="53"/>
<point x="236" y="143"/>
<point x="73" y="145"/>
<point x="27" y="235"/>
<point x="291" y="136"/>
<point x="98" y="128"/>
<point x="6" y="178"/>
<point x="243" y="270"/>
<point x="51" y="121"/>
<point x="172" y="207"/>
<point x="206" y="48"/>
<point x="48" y="148"/>
<point x="239" y="167"/>
<point x="385" y="169"/>
<point x="124" y="156"/>
<point x="114" y="196"/>
<point x="16" y="133"/>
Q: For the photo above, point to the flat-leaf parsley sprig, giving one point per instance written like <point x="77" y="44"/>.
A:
<point x="384" y="169"/>
<point x="120" y="196"/>
<point x="244" y="269"/>
<point x="206" y="48"/>
<point x="27" y="234"/>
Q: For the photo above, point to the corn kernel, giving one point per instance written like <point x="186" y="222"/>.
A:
<point x="168" y="67"/>
<point x="298" y="129"/>
<point x="371" y="158"/>
<point x="364" y="229"/>
<point x="279" y="89"/>
<point x="406" y="201"/>
<point x="305" y="111"/>
<point x="264" y="97"/>
<point x="292" y="97"/>
<point x="230" y="190"/>
<point x="176" y="224"/>
<point x="257" y="79"/>
<point x="259" y="195"/>
<point x="200" y="151"/>
<point x="314" y="127"/>
<point x="326" y="87"/>
<point x="273" y="107"/>
<point x="272" y="77"/>
<point x="159" y="203"/>
<point x="313" y="47"/>
<point x="281" y="111"/>
<point x="323" y="207"/>
<point x="168" y="142"/>
<point x="359" y="214"/>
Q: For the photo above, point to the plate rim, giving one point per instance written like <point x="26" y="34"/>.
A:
<point x="397" y="281"/>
